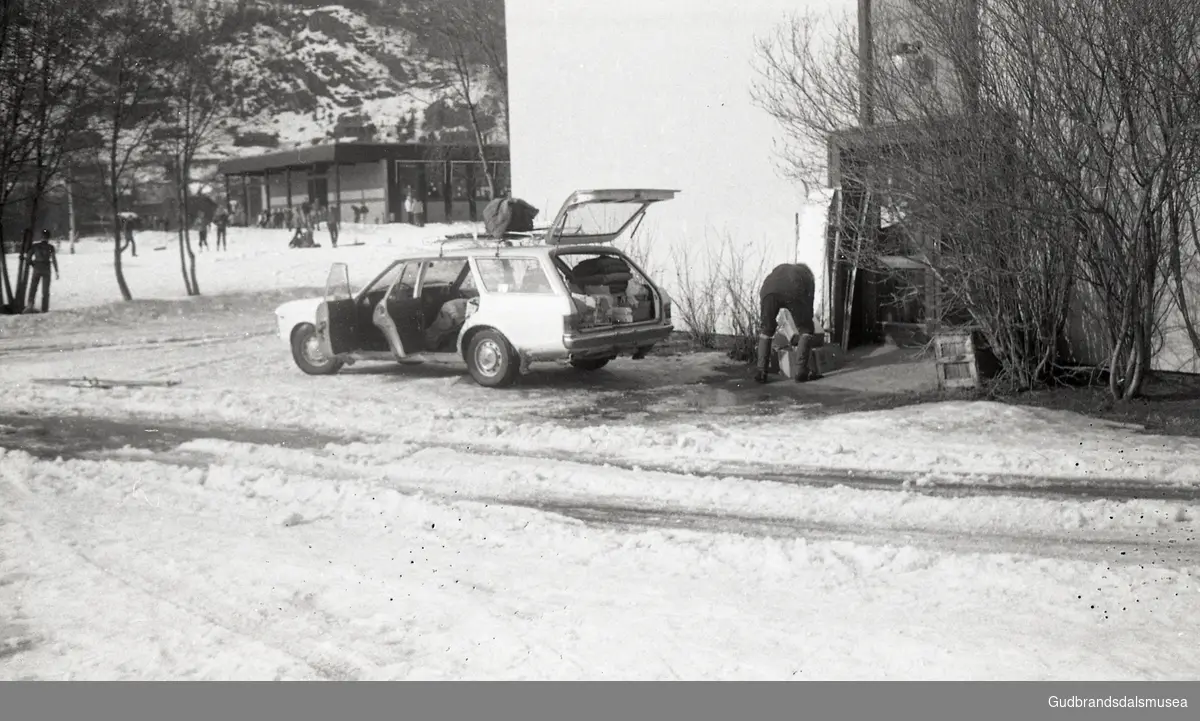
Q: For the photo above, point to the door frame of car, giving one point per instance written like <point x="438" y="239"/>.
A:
<point x="387" y="324"/>
<point x="381" y="315"/>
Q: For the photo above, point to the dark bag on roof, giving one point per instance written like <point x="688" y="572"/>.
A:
<point x="508" y="215"/>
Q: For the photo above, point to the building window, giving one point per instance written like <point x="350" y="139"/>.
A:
<point x="481" y="190"/>
<point x="458" y="182"/>
<point x="435" y="180"/>
<point x="500" y="171"/>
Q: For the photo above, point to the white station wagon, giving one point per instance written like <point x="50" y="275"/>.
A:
<point x="563" y="293"/>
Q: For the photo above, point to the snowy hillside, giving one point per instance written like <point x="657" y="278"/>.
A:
<point x="312" y="74"/>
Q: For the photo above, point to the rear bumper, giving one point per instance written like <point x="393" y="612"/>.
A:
<point x="617" y="340"/>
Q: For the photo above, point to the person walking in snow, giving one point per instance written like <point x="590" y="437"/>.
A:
<point x="127" y="226"/>
<point x="42" y="257"/>
<point x="789" y="286"/>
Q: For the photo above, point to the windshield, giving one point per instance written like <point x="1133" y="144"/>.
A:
<point x="598" y="218"/>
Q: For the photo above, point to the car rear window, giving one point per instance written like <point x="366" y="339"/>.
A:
<point x="513" y="275"/>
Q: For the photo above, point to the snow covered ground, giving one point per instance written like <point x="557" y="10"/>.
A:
<point x="257" y="260"/>
<point x="659" y="519"/>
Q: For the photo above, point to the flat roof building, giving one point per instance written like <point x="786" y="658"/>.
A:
<point x="450" y="179"/>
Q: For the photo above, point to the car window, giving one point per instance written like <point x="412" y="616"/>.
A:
<point x="442" y="272"/>
<point x="513" y="275"/>
<point x="408" y="278"/>
<point x="405" y="280"/>
<point x="385" y="281"/>
<point x="468" y="288"/>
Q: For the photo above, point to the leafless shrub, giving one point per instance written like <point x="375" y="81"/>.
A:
<point x="740" y="273"/>
<point x="695" y="294"/>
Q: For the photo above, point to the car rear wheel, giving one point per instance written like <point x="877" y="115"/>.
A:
<point x="491" y="359"/>
<point x="306" y="351"/>
<point x="590" y="364"/>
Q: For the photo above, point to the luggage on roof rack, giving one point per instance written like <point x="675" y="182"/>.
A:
<point x="505" y="216"/>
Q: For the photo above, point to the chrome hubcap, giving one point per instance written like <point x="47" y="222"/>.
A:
<point x="312" y="350"/>
<point x="488" y="357"/>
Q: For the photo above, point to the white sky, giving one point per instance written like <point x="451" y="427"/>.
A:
<point x="654" y="93"/>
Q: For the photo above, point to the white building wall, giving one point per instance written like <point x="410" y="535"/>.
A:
<point x="656" y="93"/>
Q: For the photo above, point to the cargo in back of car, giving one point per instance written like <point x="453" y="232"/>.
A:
<point x="606" y="288"/>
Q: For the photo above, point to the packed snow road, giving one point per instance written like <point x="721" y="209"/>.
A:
<point x="653" y="520"/>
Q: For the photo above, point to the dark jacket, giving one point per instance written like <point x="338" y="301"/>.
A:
<point x="792" y="282"/>
<point x="42" y="256"/>
<point x="793" y="286"/>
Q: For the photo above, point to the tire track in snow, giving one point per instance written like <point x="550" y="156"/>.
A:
<point x="1107" y="550"/>
<point x="645" y="513"/>
<point x="947" y="485"/>
<point x="48" y="527"/>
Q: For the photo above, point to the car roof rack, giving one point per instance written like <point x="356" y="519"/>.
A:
<point x="475" y="240"/>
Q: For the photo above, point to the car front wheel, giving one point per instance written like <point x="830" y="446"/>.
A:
<point x="491" y="360"/>
<point x="590" y="364"/>
<point x="306" y="351"/>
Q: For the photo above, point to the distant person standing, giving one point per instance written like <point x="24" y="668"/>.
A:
<point x="221" y="220"/>
<point x="410" y="206"/>
<point x="331" y="221"/>
<point x="42" y="257"/>
<point x="419" y="211"/>
<point x="202" y="229"/>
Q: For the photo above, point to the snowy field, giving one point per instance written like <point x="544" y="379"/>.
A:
<point x="658" y="519"/>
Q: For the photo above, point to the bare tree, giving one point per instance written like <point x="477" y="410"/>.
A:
<point x="61" y="51"/>
<point x="198" y="99"/>
<point x="1035" y="153"/>
<point x="470" y="34"/>
<point x="15" y="140"/>
<point x="131" y="77"/>
<point x="44" y="51"/>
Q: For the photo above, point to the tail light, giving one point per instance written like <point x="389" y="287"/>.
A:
<point x="666" y="310"/>
<point x="571" y="323"/>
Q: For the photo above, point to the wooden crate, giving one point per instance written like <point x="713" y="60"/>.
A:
<point x="956" y="359"/>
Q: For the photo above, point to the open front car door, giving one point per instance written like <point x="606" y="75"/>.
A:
<point x="337" y="318"/>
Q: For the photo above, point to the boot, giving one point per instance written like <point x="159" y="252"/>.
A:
<point x="764" y="359"/>
<point x="804" y="357"/>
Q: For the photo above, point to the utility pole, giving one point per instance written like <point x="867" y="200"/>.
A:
<point x="866" y="66"/>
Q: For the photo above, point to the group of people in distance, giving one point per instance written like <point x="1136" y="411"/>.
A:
<point x="305" y="220"/>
